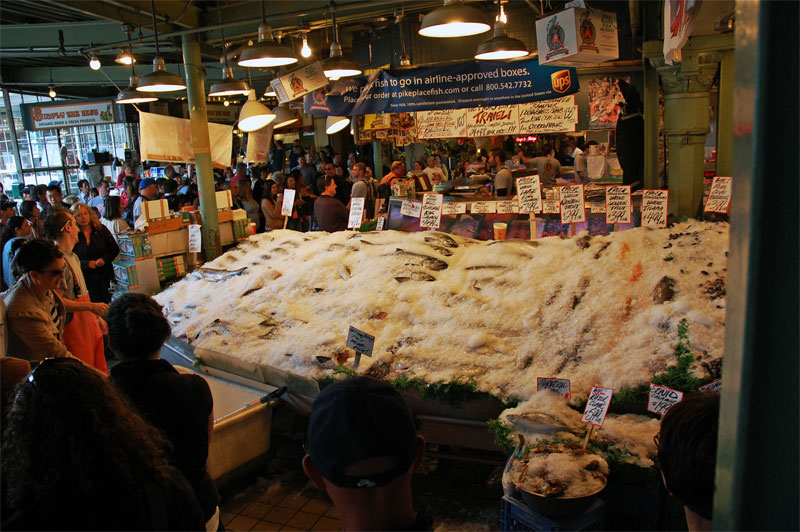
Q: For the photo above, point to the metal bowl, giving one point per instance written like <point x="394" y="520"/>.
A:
<point x="559" y="506"/>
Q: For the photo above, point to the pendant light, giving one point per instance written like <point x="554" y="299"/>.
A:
<point x="336" y="66"/>
<point x="130" y="94"/>
<point x="501" y="46"/>
<point x="124" y="58"/>
<point x="266" y="52"/>
<point x="269" y="92"/>
<point x="229" y="86"/>
<point x="284" y="116"/>
<point x="254" y="114"/>
<point x="52" y="91"/>
<point x="334" y="124"/>
<point x="454" y="19"/>
<point x="305" y="51"/>
<point x="94" y="62"/>
<point x="159" y="80"/>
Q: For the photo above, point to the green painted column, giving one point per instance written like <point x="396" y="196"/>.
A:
<point x="201" y="145"/>
<point x="377" y="158"/>
<point x="687" y="119"/>
<point x="651" y="169"/>
<point x="725" y="114"/>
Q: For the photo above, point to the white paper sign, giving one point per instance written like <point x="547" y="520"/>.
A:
<point x="618" y="204"/>
<point x="431" y="214"/>
<point x="411" y="208"/>
<point x="492" y="121"/>
<point x="195" y="238"/>
<point x="662" y="398"/>
<point x="713" y="386"/>
<point x="551" y="206"/>
<point x="379" y="223"/>
<point x="597" y="406"/>
<point x="454" y="207"/>
<point x="655" y="208"/>
<point x="359" y="341"/>
<point x="571" y="203"/>
<point x="529" y="194"/>
<point x="442" y="124"/>
<point x="597" y="207"/>
<point x="223" y="198"/>
<point x="719" y="197"/>
<point x="288" y="202"/>
<point x="548" y="116"/>
<point x="356" y="213"/>
<point x="483" y="207"/>
<point x="507" y="207"/>
<point x="560" y="386"/>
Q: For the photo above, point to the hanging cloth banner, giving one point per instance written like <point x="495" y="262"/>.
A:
<point x="166" y="138"/>
<point x="454" y="86"/>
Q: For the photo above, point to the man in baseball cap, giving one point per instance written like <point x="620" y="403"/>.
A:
<point x="363" y="448"/>
<point x="147" y="191"/>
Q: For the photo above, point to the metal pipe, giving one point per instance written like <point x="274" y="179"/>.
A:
<point x="13" y="131"/>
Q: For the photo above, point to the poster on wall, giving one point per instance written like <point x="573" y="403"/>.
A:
<point x="604" y="102"/>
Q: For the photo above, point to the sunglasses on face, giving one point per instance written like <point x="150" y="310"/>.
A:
<point x="52" y="273"/>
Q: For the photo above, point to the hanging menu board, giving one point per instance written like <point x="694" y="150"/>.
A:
<point x="492" y="121"/>
<point x="655" y="207"/>
<point x="446" y="123"/>
<point x="550" y="116"/>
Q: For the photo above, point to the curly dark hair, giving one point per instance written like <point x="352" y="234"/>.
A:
<point x="55" y="222"/>
<point x="137" y="327"/>
<point x="35" y="255"/>
<point x="70" y="435"/>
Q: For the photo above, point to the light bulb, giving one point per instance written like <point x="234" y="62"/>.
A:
<point x="52" y="92"/>
<point x="305" y="51"/>
<point x="502" y="16"/>
<point x="94" y="63"/>
<point x="226" y="103"/>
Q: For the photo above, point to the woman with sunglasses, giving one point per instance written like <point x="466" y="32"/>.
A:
<point x="36" y="312"/>
<point x="77" y="456"/>
<point x="84" y="327"/>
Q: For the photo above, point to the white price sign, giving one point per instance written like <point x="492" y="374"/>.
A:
<point x="597" y="406"/>
<point x="483" y="207"/>
<point x="618" y="204"/>
<point x="560" y="386"/>
<point x="360" y="342"/>
<point x="719" y="197"/>
<point x="411" y="208"/>
<point x="662" y="398"/>
<point x="530" y="194"/>
<point x="379" y="224"/>
<point x="431" y="214"/>
<point x="195" y="239"/>
<point x="655" y="208"/>
<point x="356" y="213"/>
<point x="288" y="202"/>
<point x="454" y="207"/>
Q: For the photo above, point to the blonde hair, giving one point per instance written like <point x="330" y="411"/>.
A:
<point x="75" y="209"/>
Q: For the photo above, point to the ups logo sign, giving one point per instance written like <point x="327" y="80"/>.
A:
<point x="561" y="80"/>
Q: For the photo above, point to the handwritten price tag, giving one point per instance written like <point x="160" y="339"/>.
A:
<point x="453" y="207"/>
<point x="195" y="239"/>
<point x="662" y="398"/>
<point x="719" y="197"/>
<point x="483" y="207"/>
<point x="431" y="215"/>
<point x="379" y="224"/>
<point x="411" y="208"/>
<point x="360" y="342"/>
<point x="597" y="406"/>
<point x="572" y="208"/>
<point x="655" y="208"/>
<point x="529" y="194"/>
<point x="713" y="386"/>
<point x="560" y="386"/>
<point x="507" y="207"/>
<point x="618" y="204"/>
<point x="356" y="212"/>
<point x="551" y="206"/>
<point x="288" y="202"/>
<point x="597" y="207"/>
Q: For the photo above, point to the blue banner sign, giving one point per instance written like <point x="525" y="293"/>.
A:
<point x="453" y="86"/>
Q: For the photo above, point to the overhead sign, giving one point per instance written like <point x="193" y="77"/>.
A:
<point x="300" y="82"/>
<point x="166" y="138"/>
<point x="577" y="37"/>
<point x="37" y="116"/>
<point x="456" y="86"/>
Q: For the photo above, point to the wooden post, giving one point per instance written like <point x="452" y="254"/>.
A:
<point x="588" y="435"/>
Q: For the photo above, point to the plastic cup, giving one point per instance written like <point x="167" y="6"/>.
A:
<point x="500" y="231"/>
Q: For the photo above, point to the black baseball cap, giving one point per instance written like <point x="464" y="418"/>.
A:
<point x="359" y="419"/>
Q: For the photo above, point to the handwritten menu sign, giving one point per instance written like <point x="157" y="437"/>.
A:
<point x="618" y="204"/>
<point x="655" y="205"/>
<point x="713" y="386"/>
<point x="453" y="207"/>
<point x="549" y="116"/>
<point x="507" y="207"/>
<point x="288" y="202"/>
<point x="195" y="239"/>
<point x="662" y="398"/>
<point x="431" y="215"/>
<point x="445" y="123"/>
<point x="529" y="194"/>
<point x="411" y="208"/>
<point x="572" y="209"/>
<point x="560" y="386"/>
<point x="596" y="207"/>
<point x="483" y="207"/>
<point x="379" y="223"/>
<point x="719" y="197"/>
<point x="356" y="212"/>
<point x="551" y="206"/>
<point x="360" y="342"/>
<point x="597" y="406"/>
<point x="492" y="121"/>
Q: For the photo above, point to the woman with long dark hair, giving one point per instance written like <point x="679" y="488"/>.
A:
<point x="112" y="217"/>
<point x="77" y="456"/>
<point x="29" y="210"/>
<point x="178" y="404"/>
<point x="15" y="232"/>
<point x="271" y="206"/>
<point x="97" y="249"/>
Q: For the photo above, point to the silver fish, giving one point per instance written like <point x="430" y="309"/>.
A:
<point x="214" y="275"/>
<point x="442" y="240"/>
<point x="428" y="262"/>
<point x="415" y="276"/>
<point x="537" y="422"/>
